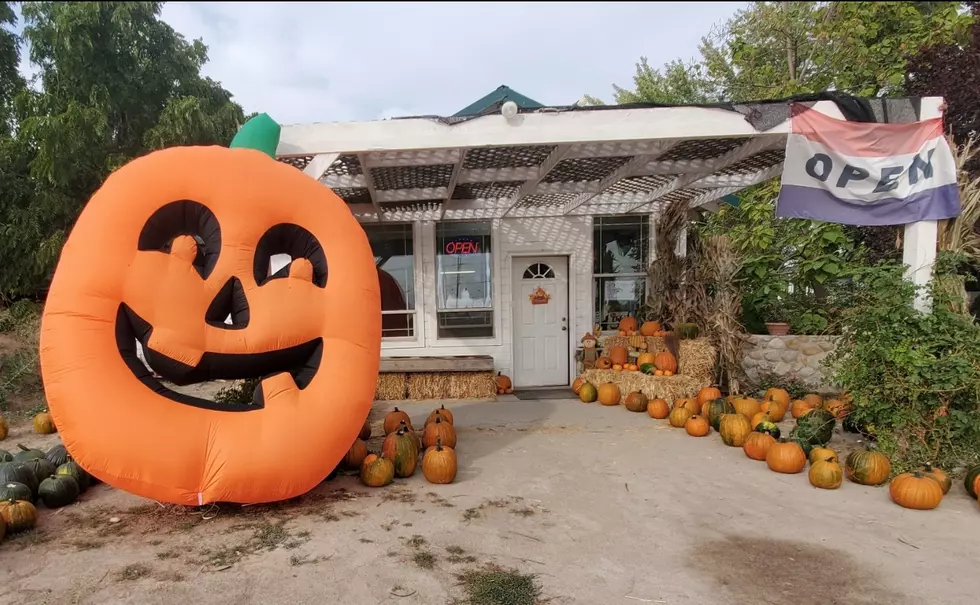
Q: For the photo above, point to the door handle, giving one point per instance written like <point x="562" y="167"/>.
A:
<point x="563" y="328"/>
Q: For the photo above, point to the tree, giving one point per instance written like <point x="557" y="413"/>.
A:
<point x="678" y="83"/>
<point x="115" y="82"/>
<point x="11" y="82"/>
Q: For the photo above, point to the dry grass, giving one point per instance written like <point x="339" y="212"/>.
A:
<point x="497" y="586"/>
<point x="452" y="385"/>
<point x="668" y="388"/>
<point x="391" y="387"/>
<point x="721" y="265"/>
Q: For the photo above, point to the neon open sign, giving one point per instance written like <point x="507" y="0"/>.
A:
<point x="462" y="245"/>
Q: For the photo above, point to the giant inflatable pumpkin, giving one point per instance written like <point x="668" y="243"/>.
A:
<point x="174" y="252"/>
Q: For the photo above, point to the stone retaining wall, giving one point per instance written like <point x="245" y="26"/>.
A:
<point x="788" y="356"/>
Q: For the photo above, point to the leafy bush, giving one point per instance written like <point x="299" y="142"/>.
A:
<point x="796" y="387"/>
<point x="915" y="377"/>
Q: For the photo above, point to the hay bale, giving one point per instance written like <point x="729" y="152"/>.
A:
<point x="696" y="357"/>
<point x="668" y="388"/>
<point x="452" y="385"/>
<point x="391" y="386"/>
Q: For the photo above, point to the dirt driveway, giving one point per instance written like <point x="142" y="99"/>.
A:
<point x="604" y="506"/>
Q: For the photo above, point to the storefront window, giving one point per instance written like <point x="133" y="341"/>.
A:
<point x="620" y="257"/>
<point x="464" y="280"/>
<point x="393" y="248"/>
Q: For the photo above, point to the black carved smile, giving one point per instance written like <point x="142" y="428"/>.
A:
<point x="300" y="361"/>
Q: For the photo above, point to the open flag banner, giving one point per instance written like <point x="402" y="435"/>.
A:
<point x="859" y="173"/>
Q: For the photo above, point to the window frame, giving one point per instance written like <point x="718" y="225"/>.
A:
<point x="646" y="225"/>
<point x="417" y="338"/>
<point x="494" y="290"/>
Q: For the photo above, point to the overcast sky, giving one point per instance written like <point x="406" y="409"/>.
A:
<point x="313" y="62"/>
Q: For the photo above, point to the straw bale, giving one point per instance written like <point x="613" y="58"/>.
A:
<point x="668" y="388"/>
<point x="452" y="385"/>
<point x="391" y="386"/>
<point x="697" y="356"/>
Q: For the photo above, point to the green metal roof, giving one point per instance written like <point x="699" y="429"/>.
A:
<point x="497" y="98"/>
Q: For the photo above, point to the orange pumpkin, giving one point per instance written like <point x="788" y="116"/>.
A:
<point x="708" y="393"/>
<point x="658" y="409"/>
<point x="603" y="363"/>
<point x="439" y="464"/>
<point x="780" y="396"/>
<point x="916" y="491"/>
<point x="757" y="445"/>
<point x="774" y="410"/>
<point x="609" y="394"/>
<point x="786" y="457"/>
<point x="838" y="408"/>
<point x="813" y="400"/>
<point x="645" y="358"/>
<point x="442" y="412"/>
<point x="691" y="404"/>
<point x="439" y="430"/>
<point x="678" y="416"/>
<point x="504" y="385"/>
<point x="760" y="417"/>
<point x="394" y="418"/>
<point x="649" y="328"/>
<point x="798" y="408"/>
<point x="697" y="426"/>
<point x="627" y="325"/>
<point x="577" y="384"/>
<point x="355" y="455"/>
<point x="617" y="368"/>
<point x="618" y="354"/>
<point x="747" y="407"/>
<point x="365" y="430"/>
<point x="665" y="361"/>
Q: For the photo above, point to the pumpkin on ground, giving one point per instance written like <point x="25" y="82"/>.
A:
<point x="392" y="419"/>
<point x="72" y="469"/>
<point x="58" y="491"/>
<point x="815" y="428"/>
<point x="916" y="491"/>
<point x="377" y="471"/>
<point x="774" y="410"/>
<point x="747" y="407"/>
<point x="18" y="472"/>
<point x="799" y="408"/>
<point x="603" y="363"/>
<point x="650" y="328"/>
<point x="822" y="453"/>
<point x="715" y="409"/>
<point x="504" y="385"/>
<point x="577" y="384"/>
<point x="587" y="393"/>
<point x="970" y="481"/>
<point x="57" y="455"/>
<point x="707" y="394"/>
<point x="813" y="400"/>
<point x="768" y="427"/>
<point x="757" y="445"/>
<point x="618" y="354"/>
<point x="18" y="515"/>
<point x="439" y="464"/>
<point x="42" y="467"/>
<point x="734" y="429"/>
<point x="628" y="325"/>
<point x="365" y="433"/>
<point x="441" y="412"/>
<point x="13" y="490"/>
<point x="6" y="456"/>
<point x="838" y="408"/>
<point x="27" y="453"/>
<point x="760" y="417"/>
<point x="665" y="361"/>
<point x="636" y="402"/>
<point x="786" y="457"/>
<point x="826" y="473"/>
<point x="691" y="404"/>
<point x="658" y="409"/>
<point x="939" y="475"/>
<point x="439" y="430"/>
<point x="43" y="424"/>
<point x="403" y="450"/>
<point x="355" y="456"/>
<point x="868" y="467"/>
<point x="780" y="396"/>
<point x="678" y="417"/>
<point x="697" y="426"/>
<point x="609" y="394"/>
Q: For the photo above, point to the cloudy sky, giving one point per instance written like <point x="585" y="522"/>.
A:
<point x="315" y="62"/>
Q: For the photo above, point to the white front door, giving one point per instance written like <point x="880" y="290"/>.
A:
<point x="540" y="321"/>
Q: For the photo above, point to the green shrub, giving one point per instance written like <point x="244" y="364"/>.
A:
<point x="796" y="387"/>
<point x="915" y="377"/>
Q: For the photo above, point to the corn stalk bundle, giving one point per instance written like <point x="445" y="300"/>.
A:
<point x="721" y="264"/>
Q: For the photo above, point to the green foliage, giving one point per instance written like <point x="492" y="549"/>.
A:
<point x="796" y="387"/>
<point x="19" y="370"/>
<point x="914" y="376"/>
<point x="114" y="83"/>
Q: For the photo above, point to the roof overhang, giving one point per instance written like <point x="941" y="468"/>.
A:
<point x="548" y="162"/>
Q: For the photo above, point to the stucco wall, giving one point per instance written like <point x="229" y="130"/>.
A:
<point x="788" y="356"/>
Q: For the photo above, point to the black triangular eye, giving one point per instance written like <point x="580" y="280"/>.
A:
<point x="184" y="217"/>
<point x="294" y="241"/>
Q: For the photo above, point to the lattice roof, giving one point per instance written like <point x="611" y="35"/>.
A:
<point x="544" y="162"/>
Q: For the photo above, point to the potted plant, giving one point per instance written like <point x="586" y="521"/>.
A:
<point x="776" y="316"/>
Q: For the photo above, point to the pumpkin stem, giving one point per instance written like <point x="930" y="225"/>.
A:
<point x="260" y="133"/>
<point x="21" y="446"/>
<point x="438" y="444"/>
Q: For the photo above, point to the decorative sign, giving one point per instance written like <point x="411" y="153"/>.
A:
<point x="859" y="173"/>
<point x="539" y="297"/>
<point x="459" y="246"/>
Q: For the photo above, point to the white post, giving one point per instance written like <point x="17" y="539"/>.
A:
<point x="921" y="239"/>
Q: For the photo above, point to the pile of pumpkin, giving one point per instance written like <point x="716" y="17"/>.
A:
<point x="617" y="359"/>
<point x="403" y="449"/>
<point x="751" y="425"/>
<point x="32" y="475"/>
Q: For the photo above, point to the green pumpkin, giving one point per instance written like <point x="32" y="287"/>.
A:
<point x="714" y="409"/>
<point x="57" y="455"/>
<point x="648" y="368"/>
<point x="807" y="447"/>
<point x="58" y="491"/>
<point x="6" y="456"/>
<point x="72" y="469"/>
<point x="971" y="476"/>
<point x="815" y="428"/>
<point x="42" y="468"/>
<point x="770" y="428"/>
<point x="16" y="491"/>
<point x="27" y="453"/>
<point x="18" y="472"/>
<point x="402" y="448"/>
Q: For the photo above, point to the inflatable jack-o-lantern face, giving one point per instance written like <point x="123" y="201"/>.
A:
<point x="174" y="252"/>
